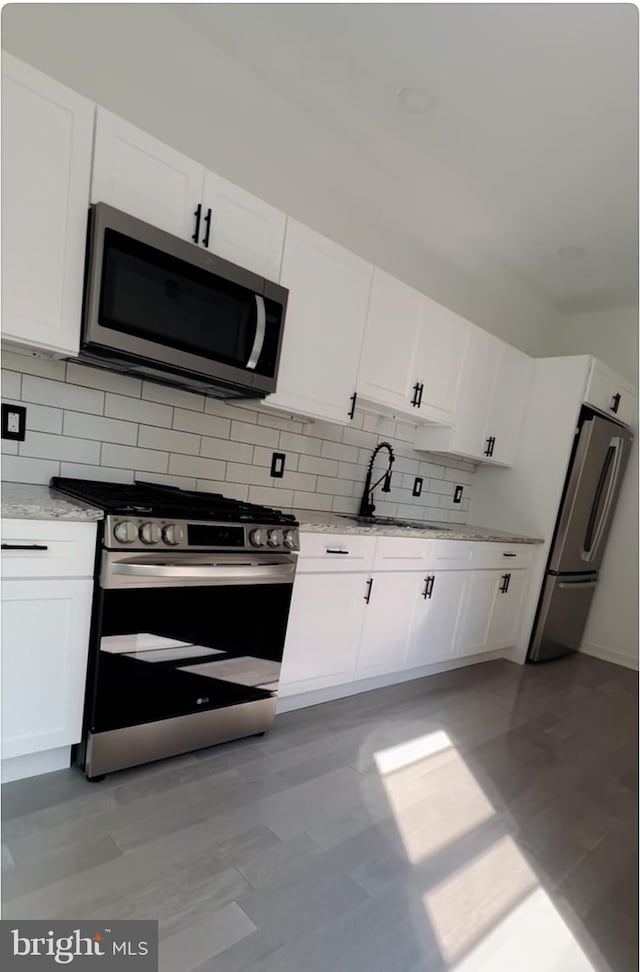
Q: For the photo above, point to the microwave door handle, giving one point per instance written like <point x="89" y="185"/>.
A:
<point x="261" y="328"/>
<point x="610" y="469"/>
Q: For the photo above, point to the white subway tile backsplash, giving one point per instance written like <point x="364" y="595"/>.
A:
<point x="152" y="437"/>
<point x="44" y="445"/>
<point x="98" y="428"/>
<point x="172" y="396"/>
<point x="256" y="434"/>
<point x="136" y="410"/>
<point x="9" y="447"/>
<point x="291" y="441"/>
<point x="226" y="449"/>
<point x="60" y="394"/>
<point x="108" y="474"/>
<point x="11" y="384"/>
<point x="100" y="425"/>
<point x="110" y="381"/>
<point x="31" y="364"/>
<point x="129" y="457"/>
<point x="202" y="424"/>
<point x="197" y="467"/>
<point x="20" y="469"/>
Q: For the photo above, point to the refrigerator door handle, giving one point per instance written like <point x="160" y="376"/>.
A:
<point x="577" y="585"/>
<point x="608" y="479"/>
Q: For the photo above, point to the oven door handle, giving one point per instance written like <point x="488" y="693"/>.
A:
<point x="214" y="572"/>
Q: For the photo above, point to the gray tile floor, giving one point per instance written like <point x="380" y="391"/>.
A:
<point x="479" y="819"/>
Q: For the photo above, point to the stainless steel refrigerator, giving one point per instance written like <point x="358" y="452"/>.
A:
<point x="600" y="455"/>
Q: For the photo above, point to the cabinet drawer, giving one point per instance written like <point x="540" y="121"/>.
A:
<point x="502" y="555"/>
<point x="58" y="549"/>
<point x="335" y="551"/>
<point x="449" y="554"/>
<point x="398" y="553"/>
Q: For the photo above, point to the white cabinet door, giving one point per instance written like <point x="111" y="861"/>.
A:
<point x="244" y="229"/>
<point x="45" y="636"/>
<point x="508" y="403"/>
<point x="507" y="606"/>
<point x="142" y="176"/>
<point x="437" y="616"/>
<point x="611" y="394"/>
<point x="479" y="379"/>
<point x="440" y="359"/>
<point x="388" y="371"/>
<point x="473" y="633"/>
<point x="323" y="632"/>
<point x="326" y="314"/>
<point x="47" y="135"/>
<point x="388" y="623"/>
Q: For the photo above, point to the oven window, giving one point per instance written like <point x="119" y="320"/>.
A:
<point x="149" y="294"/>
<point x="166" y="652"/>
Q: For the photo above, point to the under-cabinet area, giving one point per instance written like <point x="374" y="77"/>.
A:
<point x="365" y="607"/>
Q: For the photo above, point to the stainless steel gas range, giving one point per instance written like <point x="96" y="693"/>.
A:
<point x="189" y="620"/>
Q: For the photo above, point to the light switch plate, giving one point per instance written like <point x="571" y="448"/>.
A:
<point x="277" y="465"/>
<point x="457" y="494"/>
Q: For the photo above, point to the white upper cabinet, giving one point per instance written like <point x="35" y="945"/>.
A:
<point x="243" y="228"/>
<point x="135" y="172"/>
<point x="46" y="168"/>
<point x="388" y="373"/>
<point x="413" y="352"/>
<point x="491" y="404"/>
<point x="440" y="356"/>
<point x="610" y="393"/>
<point x="328" y="296"/>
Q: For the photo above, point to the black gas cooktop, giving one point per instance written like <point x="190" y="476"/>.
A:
<point x="153" y="499"/>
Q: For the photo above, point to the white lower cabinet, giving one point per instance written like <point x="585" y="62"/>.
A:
<point x="45" y="634"/>
<point x="388" y="621"/>
<point x="437" y="617"/>
<point x="507" y="607"/>
<point x="473" y="631"/>
<point x="327" y="611"/>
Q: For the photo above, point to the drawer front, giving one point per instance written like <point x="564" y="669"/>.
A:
<point x="47" y="548"/>
<point x="335" y="551"/>
<point x="400" y="553"/>
<point x="449" y="554"/>
<point x="508" y="556"/>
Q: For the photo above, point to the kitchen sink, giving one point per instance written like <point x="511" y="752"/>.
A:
<point x="392" y="521"/>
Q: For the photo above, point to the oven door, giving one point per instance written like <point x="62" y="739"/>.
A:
<point x="186" y="633"/>
<point x="161" y="302"/>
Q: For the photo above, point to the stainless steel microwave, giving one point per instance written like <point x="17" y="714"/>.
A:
<point x="162" y="308"/>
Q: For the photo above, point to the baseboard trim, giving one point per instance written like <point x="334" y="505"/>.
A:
<point x="316" y="697"/>
<point x="609" y="655"/>
<point x="35" y="764"/>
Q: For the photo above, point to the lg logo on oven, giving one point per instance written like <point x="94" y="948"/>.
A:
<point x="47" y="944"/>
<point x="202" y="700"/>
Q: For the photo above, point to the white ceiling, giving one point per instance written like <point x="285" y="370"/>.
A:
<point x="530" y="146"/>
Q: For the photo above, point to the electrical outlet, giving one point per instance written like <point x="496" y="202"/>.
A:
<point x="417" y="486"/>
<point x="14" y="422"/>
<point x="457" y="495"/>
<point x="277" y="465"/>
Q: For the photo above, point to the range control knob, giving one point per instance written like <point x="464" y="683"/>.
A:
<point x="125" y="531"/>
<point x="258" y="538"/>
<point x="275" y="538"/>
<point x="290" y="539"/>
<point x="150" y="533"/>
<point x="173" y="534"/>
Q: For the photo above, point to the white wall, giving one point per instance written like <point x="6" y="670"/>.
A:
<point x="148" y="66"/>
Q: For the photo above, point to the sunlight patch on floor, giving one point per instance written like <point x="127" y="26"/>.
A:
<point x="406" y="753"/>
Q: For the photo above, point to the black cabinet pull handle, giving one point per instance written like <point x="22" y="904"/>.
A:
<point x="420" y="391"/>
<point x="432" y="582"/>
<point x="207" y="232"/>
<point x="503" y="586"/>
<point x="367" y="596"/>
<point x="487" y="450"/>
<point x="336" y="550"/>
<point x="24" y="546"/>
<point x="197" y="215"/>
<point x="509" y="555"/>
<point x="508" y="582"/>
<point x="428" y="586"/>
<point x="615" y="402"/>
<point x="414" y="400"/>
<point x="352" y="410"/>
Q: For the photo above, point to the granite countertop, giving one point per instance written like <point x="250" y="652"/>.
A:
<point x="313" y="522"/>
<point x="26" y="501"/>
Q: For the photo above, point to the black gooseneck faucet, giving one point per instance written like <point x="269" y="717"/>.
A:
<point x="367" y="507"/>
